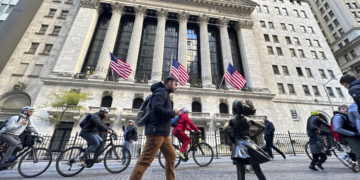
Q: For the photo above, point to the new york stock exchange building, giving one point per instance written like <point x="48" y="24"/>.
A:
<point x="286" y="77"/>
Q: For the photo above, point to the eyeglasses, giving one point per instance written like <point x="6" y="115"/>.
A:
<point x="31" y="111"/>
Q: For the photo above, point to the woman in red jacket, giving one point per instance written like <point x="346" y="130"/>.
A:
<point x="179" y="131"/>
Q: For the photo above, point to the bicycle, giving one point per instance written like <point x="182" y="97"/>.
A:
<point x="115" y="161"/>
<point x="201" y="151"/>
<point x="337" y="146"/>
<point x="34" y="161"/>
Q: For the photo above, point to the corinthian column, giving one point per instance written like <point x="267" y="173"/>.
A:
<point x="225" y="45"/>
<point x="103" y="64"/>
<point x="158" y="57"/>
<point x="73" y="53"/>
<point x="206" y="76"/>
<point x="133" y="53"/>
<point x="182" y="40"/>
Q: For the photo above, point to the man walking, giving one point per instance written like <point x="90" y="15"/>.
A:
<point x="269" y="138"/>
<point x="130" y="135"/>
<point x="353" y="85"/>
<point x="157" y="130"/>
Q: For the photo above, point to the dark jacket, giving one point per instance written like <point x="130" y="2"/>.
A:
<point x="315" y="121"/>
<point x="132" y="132"/>
<point x="343" y="125"/>
<point x="162" y="113"/>
<point x="316" y="144"/>
<point x="269" y="129"/>
<point x="94" y="124"/>
<point x="354" y="91"/>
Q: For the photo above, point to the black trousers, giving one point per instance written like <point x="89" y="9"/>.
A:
<point x="240" y="166"/>
<point x="316" y="160"/>
<point x="270" y="145"/>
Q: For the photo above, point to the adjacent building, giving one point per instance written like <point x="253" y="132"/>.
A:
<point x="276" y="45"/>
<point x="339" y="21"/>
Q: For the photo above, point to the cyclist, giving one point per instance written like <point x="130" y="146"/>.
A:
<point x="13" y="129"/>
<point x="88" y="132"/>
<point x="179" y="132"/>
<point x="315" y="121"/>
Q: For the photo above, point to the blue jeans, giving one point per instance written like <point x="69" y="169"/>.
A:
<point x="128" y="145"/>
<point x="95" y="143"/>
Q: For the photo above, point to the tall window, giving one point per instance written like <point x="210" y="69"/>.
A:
<point x="33" y="48"/>
<point x="193" y="57"/>
<point x="292" y="52"/>
<point x="263" y="24"/>
<point x="288" y="40"/>
<point x="277" y="10"/>
<point x="296" y="12"/>
<point x="308" y="72"/>
<point x="316" y="43"/>
<point x="56" y="30"/>
<point x="96" y="45"/>
<point x="283" y="26"/>
<point x="330" y="91"/>
<point x="322" y="55"/>
<point x="296" y="41"/>
<point x="271" y="25"/>
<point x="304" y="14"/>
<point x="270" y="50"/>
<point x="137" y="103"/>
<point x="279" y="51"/>
<point x="266" y="37"/>
<point x="339" y="92"/>
<point x="52" y="12"/>
<point x="106" y="101"/>
<point x="331" y="74"/>
<point x="64" y="14"/>
<point x="299" y="71"/>
<point x="235" y="51"/>
<point x="61" y="136"/>
<point x="291" y="27"/>
<point x="301" y="53"/>
<point x="314" y="54"/>
<point x="144" y="65"/>
<point x="285" y="12"/>
<point x="306" y="90"/>
<point x="37" y="70"/>
<point x="291" y="89"/>
<point x="303" y="29"/>
<point x="316" y="91"/>
<point x="275" y="38"/>
<point x="266" y="9"/>
<point x="196" y="107"/>
<point x="275" y="69"/>
<point x="285" y="70"/>
<point x="224" y="108"/>
<point x="47" y="49"/>
<point x="322" y="73"/>
<point x="170" y="47"/>
<point x="21" y="69"/>
<point x="43" y="29"/>
<point x="217" y="71"/>
<point x="281" y="88"/>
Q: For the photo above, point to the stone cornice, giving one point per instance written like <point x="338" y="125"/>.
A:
<point x="93" y="4"/>
<point x="183" y="16"/>
<point x="78" y="83"/>
<point x="161" y="13"/>
<point x="244" y="24"/>
<point x="117" y="7"/>
<point x="140" y="10"/>
<point x="310" y="102"/>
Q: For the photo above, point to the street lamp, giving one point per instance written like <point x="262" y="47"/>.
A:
<point x="327" y="93"/>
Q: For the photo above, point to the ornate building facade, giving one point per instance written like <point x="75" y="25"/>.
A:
<point x="266" y="41"/>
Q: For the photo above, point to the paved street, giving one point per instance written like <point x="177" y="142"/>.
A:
<point x="293" y="168"/>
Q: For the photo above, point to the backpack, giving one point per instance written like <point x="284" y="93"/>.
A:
<point x="2" y="125"/>
<point x="175" y="121"/>
<point x="144" y="113"/>
<point x="85" y="120"/>
<point x="336" y="135"/>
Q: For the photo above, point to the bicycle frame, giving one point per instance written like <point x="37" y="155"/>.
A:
<point x="110" y="144"/>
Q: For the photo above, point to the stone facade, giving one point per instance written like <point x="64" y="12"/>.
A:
<point x="72" y="44"/>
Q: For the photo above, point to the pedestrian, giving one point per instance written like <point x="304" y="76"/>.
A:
<point x="157" y="130"/>
<point x="317" y="149"/>
<point x="315" y="121"/>
<point x="244" y="150"/>
<point x="347" y="131"/>
<point x="130" y="135"/>
<point x="269" y="138"/>
<point x="354" y="116"/>
<point x="353" y="85"/>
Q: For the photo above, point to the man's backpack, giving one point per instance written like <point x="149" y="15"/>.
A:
<point x="347" y="125"/>
<point x="144" y="113"/>
<point x="175" y="121"/>
<point x="85" y="120"/>
<point x="2" y="125"/>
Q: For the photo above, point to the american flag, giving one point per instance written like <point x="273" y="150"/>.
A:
<point x="120" y="67"/>
<point x="234" y="78"/>
<point x="179" y="72"/>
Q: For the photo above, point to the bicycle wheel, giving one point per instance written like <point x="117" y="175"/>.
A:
<point x="203" y="154"/>
<point x="307" y="150"/>
<point x="67" y="163"/>
<point x="35" y="162"/>
<point x="162" y="158"/>
<point x="117" y="159"/>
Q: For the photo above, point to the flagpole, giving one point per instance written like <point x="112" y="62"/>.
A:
<point x="222" y="80"/>
<point x="171" y="64"/>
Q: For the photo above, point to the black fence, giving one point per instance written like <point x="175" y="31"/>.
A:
<point x="289" y="143"/>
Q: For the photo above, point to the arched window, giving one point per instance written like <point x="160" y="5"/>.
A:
<point x="196" y="106"/>
<point x="323" y="118"/>
<point x="106" y="101"/>
<point x="224" y="108"/>
<point x="217" y="70"/>
<point x="137" y="103"/>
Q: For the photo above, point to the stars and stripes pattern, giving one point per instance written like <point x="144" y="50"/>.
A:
<point x="120" y="67"/>
<point x="179" y="72"/>
<point x="234" y="78"/>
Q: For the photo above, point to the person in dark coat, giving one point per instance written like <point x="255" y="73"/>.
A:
<point x="130" y="134"/>
<point x="88" y="132"/>
<point x="353" y="85"/>
<point x="315" y="121"/>
<point x="157" y="130"/>
<point x="269" y="138"/>
<point x="244" y="150"/>
<point x="317" y="149"/>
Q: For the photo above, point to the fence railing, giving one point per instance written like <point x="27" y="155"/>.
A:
<point x="289" y="143"/>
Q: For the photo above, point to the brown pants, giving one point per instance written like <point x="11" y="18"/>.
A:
<point x="152" y="145"/>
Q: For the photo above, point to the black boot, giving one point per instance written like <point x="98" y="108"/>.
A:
<point x="283" y="155"/>
<point x="258" y="172"/>
<point x="240" y="166"/>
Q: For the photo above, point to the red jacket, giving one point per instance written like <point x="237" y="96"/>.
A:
<point x="184" y="122"/>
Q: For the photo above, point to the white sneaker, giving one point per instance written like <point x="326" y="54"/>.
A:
<point x="342" y="160"/>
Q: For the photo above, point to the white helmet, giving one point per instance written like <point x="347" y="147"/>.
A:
<point x="25" y="110"/>
<point x="184" y="110"/>
<point x="104" y="109"/>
